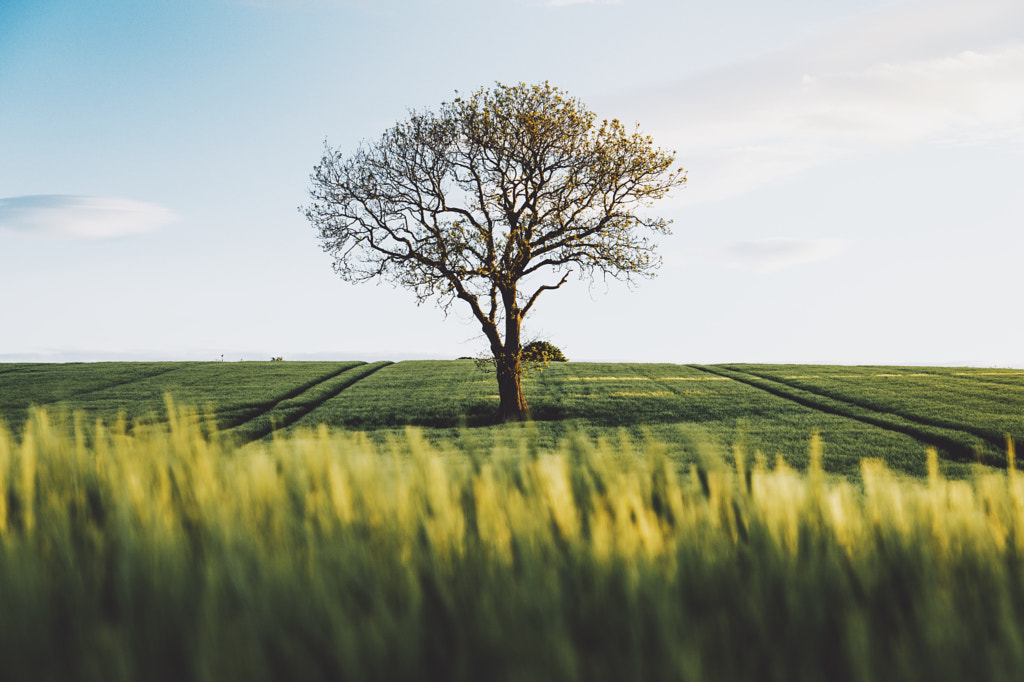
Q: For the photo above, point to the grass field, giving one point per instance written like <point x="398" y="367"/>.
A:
<point x="889" y="413"/>
<point x="171" y="553"/>
<point x="369" y="521"/>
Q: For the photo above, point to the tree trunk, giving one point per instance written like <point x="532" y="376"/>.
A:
<point x="510" y="390"/>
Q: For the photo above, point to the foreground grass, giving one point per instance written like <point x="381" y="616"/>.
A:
<point x="169" y="554"/>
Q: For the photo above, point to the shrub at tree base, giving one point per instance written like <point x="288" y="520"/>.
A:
<point x="542" y="352"/>
<point x="167" y="555"/>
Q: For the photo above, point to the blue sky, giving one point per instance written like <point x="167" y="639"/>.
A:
<point x="853" y="197"/>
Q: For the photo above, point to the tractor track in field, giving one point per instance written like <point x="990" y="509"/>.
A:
<point x="986" y="435"/>
<point x="359" y="372"/>
<point x="133" y="380"/>
<point x="263" y="409"/>
<point x="921" y="431"/>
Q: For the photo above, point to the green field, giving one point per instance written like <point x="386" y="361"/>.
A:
<point x="370" y="521"/>
<point x="171" y="554"/>
<point x="889" y="413"/>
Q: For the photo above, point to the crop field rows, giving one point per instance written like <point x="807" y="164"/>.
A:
<point x="240" y="395"/>
<point x="688" y="405"/>
<point x="888" y="413"/>
<point x="352" y="520"/>
<point x="966" y="414"/>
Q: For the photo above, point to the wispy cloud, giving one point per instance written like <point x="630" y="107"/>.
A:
<point x="772" y="255"/>
<point x="755" y="124"/>
<point x="949" y="98"/>
<point x="78" y="217"/>
<point x="767" y="255"/>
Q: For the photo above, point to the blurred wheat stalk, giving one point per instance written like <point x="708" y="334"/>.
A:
<point x="169" y="553"/>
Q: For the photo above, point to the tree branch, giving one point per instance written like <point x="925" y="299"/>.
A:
<point x="546" y="287"/>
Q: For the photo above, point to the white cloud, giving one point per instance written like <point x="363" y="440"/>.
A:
<point x="78" y="217"/>
<point x="768" y="255"/>
<point x="868" y="89"/>
<point x="933" y="99"/>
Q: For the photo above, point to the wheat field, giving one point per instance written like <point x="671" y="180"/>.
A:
<point x="169" y="552"/>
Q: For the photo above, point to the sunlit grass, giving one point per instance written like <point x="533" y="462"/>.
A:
<point x="984" y="404"/>
<point x="168" y="553"/>
<point x="659" y="401"/>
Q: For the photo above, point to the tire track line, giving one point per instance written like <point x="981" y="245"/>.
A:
<point x="8" y="370"/>
<point x="995" y="440"/>
<point x="133" y="380"/>
<point x="956" y="448"/>
<point x="264" y="408"/>
<point x="357" y="374"/>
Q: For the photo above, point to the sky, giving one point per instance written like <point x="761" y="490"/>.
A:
<point x="853" y="197"/>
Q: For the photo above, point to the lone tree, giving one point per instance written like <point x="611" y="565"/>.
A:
<point x="494" y="200"/>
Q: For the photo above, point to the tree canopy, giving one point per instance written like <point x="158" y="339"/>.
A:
<point x="492" y="200"/>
